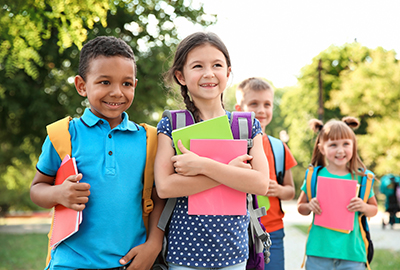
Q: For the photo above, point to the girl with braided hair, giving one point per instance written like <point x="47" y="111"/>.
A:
<point x="335" y="150"/>
<point x="201" y="68"/>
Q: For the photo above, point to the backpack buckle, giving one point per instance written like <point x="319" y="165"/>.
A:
<point x="148" y="206"/>
<point x="249" y="143"/>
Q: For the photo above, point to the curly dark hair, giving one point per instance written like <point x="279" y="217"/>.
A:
<point x="103" y="46"/>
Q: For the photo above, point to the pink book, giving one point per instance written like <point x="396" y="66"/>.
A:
<point x="220" y="200"/>
<point x="65" y="220"/>
<point x="334" y="196"/>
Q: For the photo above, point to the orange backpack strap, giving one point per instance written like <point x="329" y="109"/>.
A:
<point x="151" y="149"/>
<point x="59" y="136"/>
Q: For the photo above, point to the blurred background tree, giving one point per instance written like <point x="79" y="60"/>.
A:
<point x="39" y="56"/>
<point x="39" y="53"/>
<point x="356" y="81"/>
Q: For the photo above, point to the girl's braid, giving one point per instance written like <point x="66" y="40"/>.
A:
<point x="189" y="104"/>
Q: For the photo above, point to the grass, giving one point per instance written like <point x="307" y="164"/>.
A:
<point x="23" y="251"/>
<point x="384" y="259"/>
<point x="28" y="252"/>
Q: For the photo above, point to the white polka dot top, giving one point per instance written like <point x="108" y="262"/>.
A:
<point x="204" y="240"/>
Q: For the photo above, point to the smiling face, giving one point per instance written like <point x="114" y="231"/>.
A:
<point x="260" y="102"/>
<point x="338" y="153"/>
<point x="205" y="73"/>
<point x="109" y="86"/>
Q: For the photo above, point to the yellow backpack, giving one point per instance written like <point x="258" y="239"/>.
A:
<point x="59" y="136"/>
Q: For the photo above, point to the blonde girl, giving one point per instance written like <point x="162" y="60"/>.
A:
<point x="336" y="150"/>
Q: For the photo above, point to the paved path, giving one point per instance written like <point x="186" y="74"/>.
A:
<point x="294" y="240"/>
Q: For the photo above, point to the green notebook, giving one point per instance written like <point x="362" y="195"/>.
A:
<point x="216" y="128"/>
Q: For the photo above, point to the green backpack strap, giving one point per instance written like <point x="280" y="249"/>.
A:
<point x="60" y="137"/>
<point x="151" y="149"/>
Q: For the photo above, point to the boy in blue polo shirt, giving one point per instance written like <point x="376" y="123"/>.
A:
<point x="110" y="153"/>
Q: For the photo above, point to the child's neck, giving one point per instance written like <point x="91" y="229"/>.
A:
<point x="337" y="170"/>
<point x="209" y="113"/>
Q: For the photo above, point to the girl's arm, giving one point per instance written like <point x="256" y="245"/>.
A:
<point x="285" y="191"/>
<point x="250" y="178"/>
<point x="170" y="184"/>
<point x="369" y="209"/>
<point x="305" y="208"/>
<point x="195" y="174"/>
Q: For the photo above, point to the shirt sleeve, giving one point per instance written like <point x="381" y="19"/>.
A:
<point x="49" y="160"/>
<point x="164" y="126"/>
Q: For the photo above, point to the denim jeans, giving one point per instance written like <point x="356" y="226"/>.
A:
<point x="239" y="266"/>
<point x="321" y="263"/>
<point x="277" y="258"/>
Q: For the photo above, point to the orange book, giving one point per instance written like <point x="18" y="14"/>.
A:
<point x="65" y="221"/>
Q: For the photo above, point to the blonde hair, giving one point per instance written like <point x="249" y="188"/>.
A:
<point x="251" y="84"/>
<point x="336" y="130"/>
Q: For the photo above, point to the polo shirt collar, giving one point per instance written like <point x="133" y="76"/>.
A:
<point x="90" y="119"/>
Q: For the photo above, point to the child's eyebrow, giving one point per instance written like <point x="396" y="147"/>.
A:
<point x="108" y="77"/>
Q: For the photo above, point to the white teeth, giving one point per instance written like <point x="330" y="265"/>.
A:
<point x="208" y="84"/>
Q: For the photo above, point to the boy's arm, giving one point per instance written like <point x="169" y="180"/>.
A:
<point x="305" y="208"/>
<point x="72" y="195"/>
<point x="144" y="255"/>
<point x="285" y="191"/>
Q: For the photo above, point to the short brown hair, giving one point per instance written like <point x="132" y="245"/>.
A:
<point x="251" y="84"/>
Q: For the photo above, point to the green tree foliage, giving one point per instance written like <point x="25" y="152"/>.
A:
<point x="371" y="92"/>
<point x="300" y="103"/>
<point x="359" y="82"/>
<point x="39" y="55"/>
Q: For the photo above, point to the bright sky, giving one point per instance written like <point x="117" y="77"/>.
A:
<point x="275" y="39"/>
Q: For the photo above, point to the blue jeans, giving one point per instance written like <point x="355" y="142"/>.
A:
<point x="321" y="263"/>
<point x="277" y="258"/>
<point x="239" y="266"/>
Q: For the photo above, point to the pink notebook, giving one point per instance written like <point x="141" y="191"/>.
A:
<point x="334" y="196"/>
<point x="220" y="200"/>
<point x="65" y="220"/>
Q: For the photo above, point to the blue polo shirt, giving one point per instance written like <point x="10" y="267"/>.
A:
<point x="112" y="161"/>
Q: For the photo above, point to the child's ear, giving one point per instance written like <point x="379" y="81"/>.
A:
<point x="80" y="86"/>
<point x="238" y="108"/>
<point x="179" y="76"/>
<point x="229" y="71"/>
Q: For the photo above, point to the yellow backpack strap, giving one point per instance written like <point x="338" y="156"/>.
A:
<point x="59" y="136"/>
<point x="308" y="181"/>
<point x="151" y="149"/>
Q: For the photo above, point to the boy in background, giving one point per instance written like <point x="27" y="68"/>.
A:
<point x="256" y="95"/>
<point x="110" y="153"/>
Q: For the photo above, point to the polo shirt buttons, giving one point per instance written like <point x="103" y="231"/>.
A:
<point x="110" y="153"/>
<point x="109" y="136"/>
<point x="101" y="122"/>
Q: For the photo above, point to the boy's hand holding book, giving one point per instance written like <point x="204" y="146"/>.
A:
<point x="73" y="194"/>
